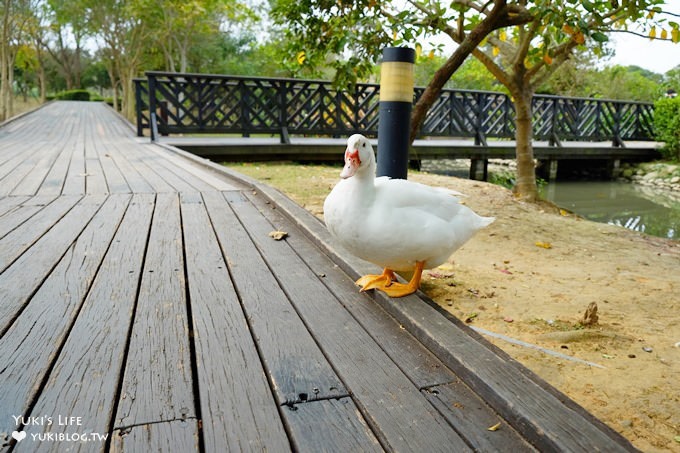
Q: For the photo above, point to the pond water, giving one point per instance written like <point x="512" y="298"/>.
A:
<point x="652" y="211"/>
<point x="639" y="208"/>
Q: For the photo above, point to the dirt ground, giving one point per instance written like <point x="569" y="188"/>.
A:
<point x="532" y="274"/>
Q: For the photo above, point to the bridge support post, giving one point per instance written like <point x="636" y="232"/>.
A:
<point x="396" y="99"/>
<point x="552" y="170"/>
<point x="614" y="168"/>
<point x="479" y="169"/>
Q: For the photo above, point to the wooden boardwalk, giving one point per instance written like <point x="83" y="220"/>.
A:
<point x="144" y="307"/>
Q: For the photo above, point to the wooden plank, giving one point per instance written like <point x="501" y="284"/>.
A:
<point x="36" y="167"/>
<point x="542" y="417"/>
<point x="75" y="176"/>
<point x="139" y="164"/>
<point x="117" y="151"/>
<point x="472" y="417"/>
<point x="216" y="182"/>
<point x="134" y="179"/>
<point x="177" y="435"/>
<point x="32" y="342"/>
<point x="104" y="146"/>
<point x="115" y="180"/>
<point x="84" y="380"/>
<point x="416" y="361"/>
<point x="401" y="417"/>
<point x="22" y="212"/>
<point x="157" y="383"/>
<point x="181" y="180"/>
<point x="329" y="149"/>
<point x="56" y="176"/>
<point x="16" y="284"/>
<point x="334" y="425"/>
<point x="18" y="173"/>
<point x="11" y="145"/>
<point x="7" y="168"/>
<point x="95" y="182"/>
<point x="237" y="407"/>
<point x="21" y="238"/>
<point x="512" y="390"/>
<point x="411" y="356"/>
<point x="8" y="204"/>
<point x="297" y="368"/>
<point x="51" y="153"/>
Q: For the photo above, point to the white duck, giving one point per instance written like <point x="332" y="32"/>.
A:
<point x="396" y="224"/>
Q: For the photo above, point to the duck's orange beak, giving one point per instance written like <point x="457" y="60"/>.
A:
<point x="352" y="163"/>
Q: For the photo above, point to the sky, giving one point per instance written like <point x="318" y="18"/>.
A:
<point x="657" y="56"/>
<point x="654" y="55"/>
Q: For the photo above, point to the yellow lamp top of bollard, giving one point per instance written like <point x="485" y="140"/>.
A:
<point x="396" y="81"/>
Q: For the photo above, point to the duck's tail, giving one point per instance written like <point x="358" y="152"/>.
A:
<point x="485" y="221"/>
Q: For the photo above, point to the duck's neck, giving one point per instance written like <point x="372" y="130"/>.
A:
<point x="364" y="185"/>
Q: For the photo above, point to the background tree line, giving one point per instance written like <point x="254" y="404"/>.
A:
<point x="54" y="45"/>
<point x="520" y="47"/>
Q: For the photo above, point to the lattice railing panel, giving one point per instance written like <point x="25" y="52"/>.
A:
<point x="211" y="103"/>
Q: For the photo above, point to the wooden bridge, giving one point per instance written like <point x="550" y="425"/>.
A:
<point x="307" y="120"/>
<point x="144" y="307"/>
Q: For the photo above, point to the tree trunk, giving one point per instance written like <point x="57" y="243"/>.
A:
<point x="434" y="89"/>
<point x="501" y="16"/>
<point x="43" y="84"/>
<point x="526" y="174"/>
<point x="4" y="63"/>
<point x="128" y="88"/>
<point x="114" y="83"/>
<point x="77" y="70"/>
<point x="42" y="77"/>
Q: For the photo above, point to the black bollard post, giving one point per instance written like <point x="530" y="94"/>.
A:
<point x="396" y="100"/>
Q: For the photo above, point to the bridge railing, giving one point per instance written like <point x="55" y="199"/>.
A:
<point x="173" y="103"/>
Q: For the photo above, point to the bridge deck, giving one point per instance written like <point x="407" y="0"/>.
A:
<point x="326" y="149"/>
<point x="142" y="299"/>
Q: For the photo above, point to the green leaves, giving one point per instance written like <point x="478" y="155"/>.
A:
<point x="599" y="37"/>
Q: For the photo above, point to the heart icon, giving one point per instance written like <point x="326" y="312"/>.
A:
<point x="19" y="435"/>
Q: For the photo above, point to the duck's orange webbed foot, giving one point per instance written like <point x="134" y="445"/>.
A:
<point x="377" y="281"/>
<point x="400" y="289"/>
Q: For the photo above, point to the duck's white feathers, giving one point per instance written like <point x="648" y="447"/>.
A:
<point x="400" y="223"/>
<point x="394" y="223"/>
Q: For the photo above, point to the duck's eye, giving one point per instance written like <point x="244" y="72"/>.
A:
<point x="363" y="145"/>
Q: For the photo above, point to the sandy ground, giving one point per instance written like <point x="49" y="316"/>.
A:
<point x="532" y="274"/>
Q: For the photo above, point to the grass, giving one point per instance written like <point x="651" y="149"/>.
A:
<point x="23" y="106"/>
<point x="307" y="185"/>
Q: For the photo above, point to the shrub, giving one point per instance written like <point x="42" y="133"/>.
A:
<point x="109" y="100"/>
<point x="667" y="126"/>
<point x="73" y="95"/>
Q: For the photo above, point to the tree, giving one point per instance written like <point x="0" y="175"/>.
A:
<point x="68" y="27"/>
<point x="37" y="31"/>
<point x="15" y="15"/>
<point x="121" y="35"/>
<point x="672" y="79"/>
<point x="543" y="36"/>
<point x="181" y="27"/>
<point x="533" y="52"/>
<point x="317" y="29"/>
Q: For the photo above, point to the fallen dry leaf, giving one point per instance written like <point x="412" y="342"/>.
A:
<point x="495" y="427"/>
<point x="545" y="245"/>
<point x="278" y="235"/>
